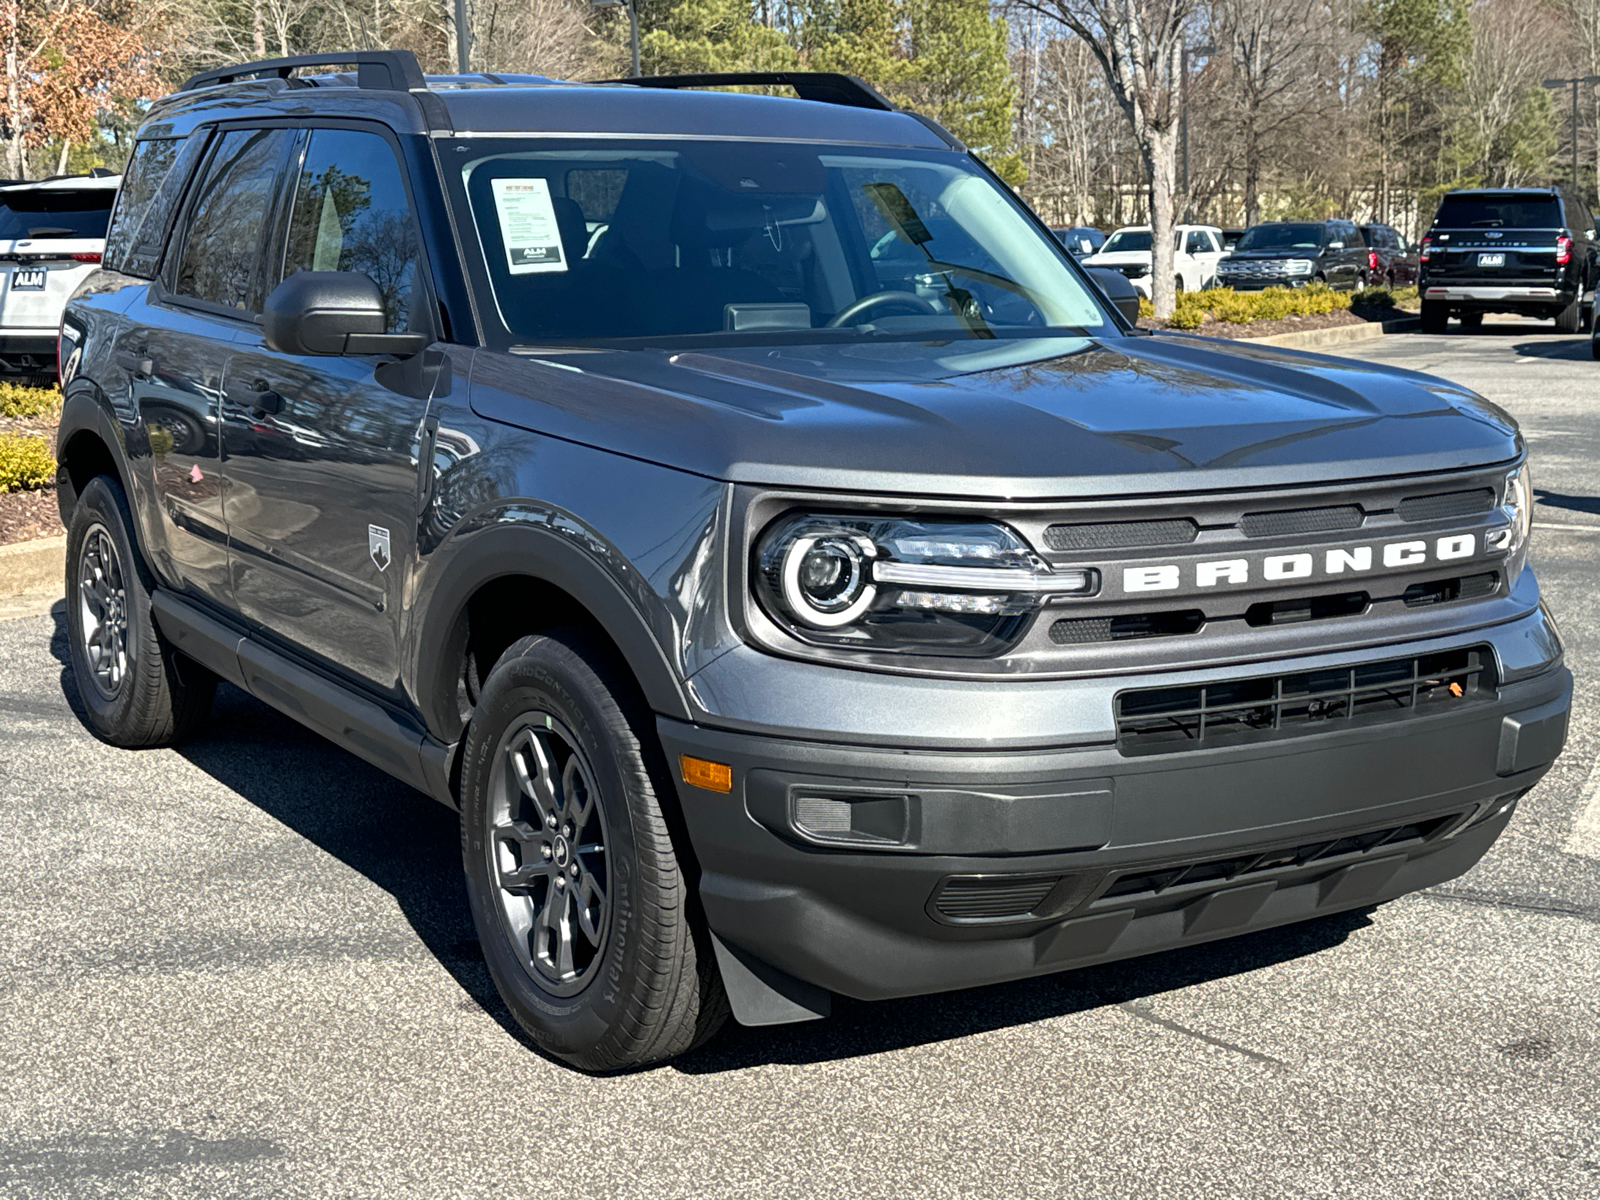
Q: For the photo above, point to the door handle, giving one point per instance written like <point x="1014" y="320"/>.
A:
<point x="259" y="398"/>
<point x="134" y="364"/>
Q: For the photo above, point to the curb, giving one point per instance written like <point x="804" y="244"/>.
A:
<point x="1339" y="335"/>
<point x="35" y="566"/>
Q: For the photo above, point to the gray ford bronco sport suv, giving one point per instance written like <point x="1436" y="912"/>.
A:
<point x="800" y="578"/>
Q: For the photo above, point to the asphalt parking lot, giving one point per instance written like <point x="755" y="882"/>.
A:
<point x="245" y="968"/>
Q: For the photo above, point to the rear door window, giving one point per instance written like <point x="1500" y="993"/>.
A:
<point x="227" y="220"/>
<point x="1499" y="212"/>
<point x="151" y="188"/>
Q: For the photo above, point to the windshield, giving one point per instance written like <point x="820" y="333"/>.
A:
<point x="1281" y="237"/>
<point x="757" y="242"/>
<point x="55" y="213"/>
<point x="1127" y="239"/>
<point x="1490" y="212"/>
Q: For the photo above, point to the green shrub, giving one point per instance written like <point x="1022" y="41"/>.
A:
<point x="1240" y="308"/>
<point x="1372" y="297"/>
<point x="19" y="401"/>
<point x="1405" y="295"/>
<point x="25" y="462"/>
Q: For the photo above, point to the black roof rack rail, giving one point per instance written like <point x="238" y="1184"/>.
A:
<point x="379" y="70"/>
<point x="828" y="87"/>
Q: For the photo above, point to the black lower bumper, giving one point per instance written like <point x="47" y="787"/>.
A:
<point x="876" y="873"/>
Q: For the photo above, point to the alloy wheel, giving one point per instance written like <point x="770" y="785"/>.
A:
<point x="547" y="853"/>
<point x="103" y="611"/>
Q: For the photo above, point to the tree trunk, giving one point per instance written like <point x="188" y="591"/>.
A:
<point x="61" y="162"/>
<point x="17" y="117"/>
<point x="1159" y="148"/>
<point x="258" y="29"/>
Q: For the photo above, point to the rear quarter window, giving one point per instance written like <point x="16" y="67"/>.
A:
<point x="151" y="188"/>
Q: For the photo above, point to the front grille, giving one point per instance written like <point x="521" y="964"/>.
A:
<point x="1446" y="504"/>
<point x="1310" y="608"/>
<point x="1119" y="535"/>
<point x="1083" y="631"/>
<point x="1214" y="870"/>
<point x="989" y="898"/>
<point x="1302" y="520"/>
<point x="1442" y="591"/>
<point x="1169" y="720"/>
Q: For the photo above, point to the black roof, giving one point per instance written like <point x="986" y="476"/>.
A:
<point x="389" y="86"/>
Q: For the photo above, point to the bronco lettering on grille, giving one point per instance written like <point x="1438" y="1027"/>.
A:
<point x="1303" y="564"/>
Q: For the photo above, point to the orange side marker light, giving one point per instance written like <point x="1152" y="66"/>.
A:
<point x="703" y="773"/>
<point x="1455" y="689"/>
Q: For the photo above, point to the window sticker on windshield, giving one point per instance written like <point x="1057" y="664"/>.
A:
<point x="528" y="226"/>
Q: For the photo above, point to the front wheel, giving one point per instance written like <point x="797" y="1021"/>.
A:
<point x="581" y="906"/>
<point x="137" y="691"/>
<point x="1435" y="317"/>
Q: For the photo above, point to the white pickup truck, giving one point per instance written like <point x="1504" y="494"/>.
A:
<point x="52" y="234"/>
<point x="1197" y="249"/>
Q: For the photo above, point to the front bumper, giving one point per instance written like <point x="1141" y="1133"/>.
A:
<point x="876" y="872"/>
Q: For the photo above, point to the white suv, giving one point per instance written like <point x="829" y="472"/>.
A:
<point x="52" y="234"/>
<point x="1197" y="249"/>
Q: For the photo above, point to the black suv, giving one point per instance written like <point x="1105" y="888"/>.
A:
<point x="1513" y="250"/>
<point x="1295" y="253"/>
<point x="747" y="514"/>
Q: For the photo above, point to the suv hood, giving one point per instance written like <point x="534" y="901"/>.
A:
<point x="1015" y="419"/>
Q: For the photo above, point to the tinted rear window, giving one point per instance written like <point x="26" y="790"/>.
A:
<point x="1489" y="212"/>
<point x="55" y="213"/>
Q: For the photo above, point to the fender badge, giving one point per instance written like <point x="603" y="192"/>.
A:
<point x="378" y="546"/>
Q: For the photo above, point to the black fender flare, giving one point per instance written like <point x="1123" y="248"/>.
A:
<point x="467" y="562"/>
<point x="84" y="410"/>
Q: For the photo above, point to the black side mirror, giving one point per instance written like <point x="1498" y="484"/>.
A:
<point x="1115" y="287"/>
<point x="332" y="312"/>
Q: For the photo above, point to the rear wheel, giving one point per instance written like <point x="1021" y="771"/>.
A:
<point x="581" y="907"/>
<point x="137" y="691"/>
<point x="1435" y="317"/>
<point x="1570" y="318"/>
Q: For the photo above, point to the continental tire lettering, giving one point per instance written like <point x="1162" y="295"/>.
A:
<point x="1405" y="554"/>
<point x="1287" y="566"/>
<point x="1149" y="579"/>
<point x="1227" y="570"/>
<point x="1357" y="559"/>
<point x="1460" y="546"/>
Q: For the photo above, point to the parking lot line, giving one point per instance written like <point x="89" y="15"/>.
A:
<point x="1585" y="836"/>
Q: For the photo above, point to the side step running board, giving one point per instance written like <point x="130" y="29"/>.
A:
<point x="338" y="714"/>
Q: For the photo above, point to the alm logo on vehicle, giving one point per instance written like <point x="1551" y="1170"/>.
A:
<point x="378" y="546"/>
<point x="1304" y="564"/>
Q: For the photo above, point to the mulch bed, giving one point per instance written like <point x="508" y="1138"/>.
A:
<point x="27" y="515"/>
<point x="1212" y="327"/>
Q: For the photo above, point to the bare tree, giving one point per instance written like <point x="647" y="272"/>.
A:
<point x="1139" y="45"/>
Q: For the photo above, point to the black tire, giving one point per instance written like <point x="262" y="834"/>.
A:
<point x="1594" y="347"/>
<point x="1472" y="320"/>
<point x="622" y="976"/>
<point x="1570" y="318"/>
<point x="1435" y="317"/>
<point x="137" y="691"/>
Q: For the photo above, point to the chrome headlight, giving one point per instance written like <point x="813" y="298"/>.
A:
<point x="906" y="586"/>
<point x="1298" y="266"/>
